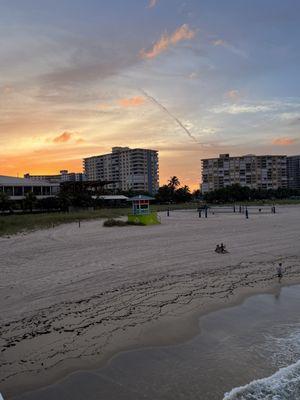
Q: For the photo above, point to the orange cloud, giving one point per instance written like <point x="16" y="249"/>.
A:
<point x="131" y="102"/>
<point x="103" y="106"/>
<point x="232" y="94"/>
<point x="182" y="33"/>
<point x="8" y="90"/>
<point x="284" y="141"/>
<point x="152" y="3"/>
<point x="63" y="138"/>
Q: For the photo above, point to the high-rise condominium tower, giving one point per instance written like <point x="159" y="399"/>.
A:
<point x="256" y="172"/>
<point x="135" y="169"/>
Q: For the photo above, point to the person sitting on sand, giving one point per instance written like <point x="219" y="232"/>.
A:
<point x="223" y="248"/>
<point x="218" y="249"/>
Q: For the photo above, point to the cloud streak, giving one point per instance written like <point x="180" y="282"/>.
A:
<point x="166" y="111"/>
<point x="166" y="41"/>
<point x="283" y="108"/>
<point x="230" y="47"/>
<point x="235" y="109"/>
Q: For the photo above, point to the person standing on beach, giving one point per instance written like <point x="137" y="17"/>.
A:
<point x="279" y="271"/>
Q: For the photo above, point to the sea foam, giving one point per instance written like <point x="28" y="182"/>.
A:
<point x="283" y="385"/>
<point x="283" y="345"/>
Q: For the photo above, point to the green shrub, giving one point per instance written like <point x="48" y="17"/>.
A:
<point x="114" y="222"/>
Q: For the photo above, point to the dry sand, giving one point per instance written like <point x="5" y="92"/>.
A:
<point x="72" y="297"/>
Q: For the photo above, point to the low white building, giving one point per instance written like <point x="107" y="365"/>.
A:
<point x="17" y="188"/>
<point x="63" y="176"/>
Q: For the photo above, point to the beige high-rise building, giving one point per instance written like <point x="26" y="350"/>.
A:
<point x="256" y="172"/>
<point x="135" y="169"/>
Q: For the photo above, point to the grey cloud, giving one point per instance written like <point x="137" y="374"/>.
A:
<point x="294" y="122"/>
<point x="85" y="72"/>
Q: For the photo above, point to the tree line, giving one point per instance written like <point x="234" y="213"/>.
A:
<point x="236" y="192"/>
<point x="68" y="197"/>
<point x="170" y="193"/>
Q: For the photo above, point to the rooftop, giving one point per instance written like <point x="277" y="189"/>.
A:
<point x="227" y="156"/>
<point x="141" y="197"/>
<point x="13" y="181"/>
<point x="111" y="197"/>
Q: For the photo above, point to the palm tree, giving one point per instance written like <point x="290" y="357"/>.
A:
<point x="173" y="182"/>
<point x="196" y="194"/>
<point x="183" y="194"/>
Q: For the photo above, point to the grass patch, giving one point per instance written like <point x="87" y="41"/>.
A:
<point x="12" y="224"/>
<point x="134" y="223"/>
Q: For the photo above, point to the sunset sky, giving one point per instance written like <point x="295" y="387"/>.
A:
<point x="190" y="78"/>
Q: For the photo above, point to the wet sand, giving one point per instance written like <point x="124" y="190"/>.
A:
<point x="71" y="298"/>
<point x="236" y="346"/>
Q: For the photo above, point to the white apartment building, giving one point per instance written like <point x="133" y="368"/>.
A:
<point x="135" y="169"/>
<point x="256" y="172"/>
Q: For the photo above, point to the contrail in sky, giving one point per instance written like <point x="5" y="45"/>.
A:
<point x="165" y="110"/>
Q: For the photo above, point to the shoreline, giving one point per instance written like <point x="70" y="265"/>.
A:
<point x="186" y="329"/>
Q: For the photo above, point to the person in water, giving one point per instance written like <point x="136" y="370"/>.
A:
<point x="218" y="249"/>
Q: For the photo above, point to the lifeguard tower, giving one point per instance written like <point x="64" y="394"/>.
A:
<point x="141" y="212"/>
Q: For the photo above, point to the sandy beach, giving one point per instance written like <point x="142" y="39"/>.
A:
<point x="72" y="297"/>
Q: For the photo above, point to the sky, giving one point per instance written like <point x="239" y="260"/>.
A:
<point x="190" y="78"/>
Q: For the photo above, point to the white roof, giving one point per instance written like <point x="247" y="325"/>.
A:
<point x="111" y="197"/>
<point x="12" y="181"/>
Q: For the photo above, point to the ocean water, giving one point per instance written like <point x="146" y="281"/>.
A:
<point x="282" y="348"/>
<point x="284" y="384"/>
<point x="247" y="352"/>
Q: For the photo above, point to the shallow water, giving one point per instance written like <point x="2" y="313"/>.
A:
<point x="250" y="352"/>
